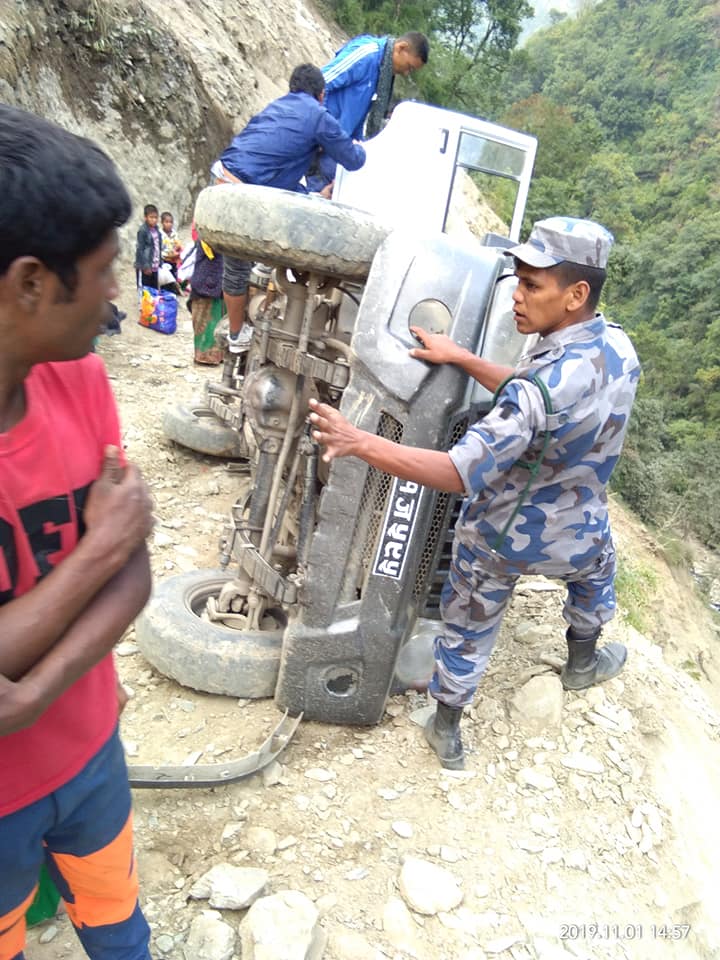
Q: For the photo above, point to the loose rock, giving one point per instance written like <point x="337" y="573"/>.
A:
<point x="538" y="705"/>
<point x="210" y="938"/>
<point x="230" y="887"/>
<point x="283" y="926"/>
<point x="428" y="888"/>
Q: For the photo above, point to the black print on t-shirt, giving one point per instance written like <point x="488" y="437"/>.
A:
<point x="42" y="523"/>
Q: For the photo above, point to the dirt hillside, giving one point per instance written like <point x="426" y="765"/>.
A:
<point x="161" y="86"/>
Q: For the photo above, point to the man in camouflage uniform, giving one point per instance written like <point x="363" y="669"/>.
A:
<point x="534" y="470"/>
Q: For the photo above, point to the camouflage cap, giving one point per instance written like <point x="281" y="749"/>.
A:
<point x="565" y="238"/>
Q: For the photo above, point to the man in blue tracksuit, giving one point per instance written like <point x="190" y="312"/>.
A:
<point x="359" y="82"/>
<point x="275" y="150"/>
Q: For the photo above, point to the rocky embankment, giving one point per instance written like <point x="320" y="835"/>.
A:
<point x="162" y="87"/>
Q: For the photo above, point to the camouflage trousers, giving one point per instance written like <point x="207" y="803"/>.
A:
<point x="473" y="603"/>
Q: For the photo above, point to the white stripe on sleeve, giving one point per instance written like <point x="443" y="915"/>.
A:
<point x="342" y="66"/>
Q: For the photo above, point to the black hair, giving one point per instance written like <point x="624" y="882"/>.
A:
<point x="568" y="273"/>
<point x="418" y="43"/>
<point x="166" y="213"/>
<point x="149" y="208"/>
<point x="61" y="195"/>
<point x="307" y="78"/>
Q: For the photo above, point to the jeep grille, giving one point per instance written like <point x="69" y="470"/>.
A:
<point x="435" y="560"/>
<point x="370" y="515"/>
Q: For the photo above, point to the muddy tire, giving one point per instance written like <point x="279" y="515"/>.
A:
<point x="194" y="425"/>
<point x="300" y="231"/>
<point x="201" y="654"/>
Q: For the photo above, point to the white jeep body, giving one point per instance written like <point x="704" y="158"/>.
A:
<point x="333" y="568"/>
<point x="417" y="166"/>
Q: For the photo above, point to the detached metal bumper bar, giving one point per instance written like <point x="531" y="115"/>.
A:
<point x="212" y="774"/>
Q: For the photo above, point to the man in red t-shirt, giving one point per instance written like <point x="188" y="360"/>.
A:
<point x="74" y="568"/>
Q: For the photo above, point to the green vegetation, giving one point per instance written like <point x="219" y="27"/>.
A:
<point x="92" y="23"/>
<point x="625" y="102"/>
<point x="636" y="586"/>
<point x="692" y="669"/>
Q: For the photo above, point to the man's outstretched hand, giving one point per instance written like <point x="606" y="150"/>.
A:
<point x="436" y="347"/>
<point x="333" y="431"/>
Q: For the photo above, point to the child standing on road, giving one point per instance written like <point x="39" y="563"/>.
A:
<point x="148" y="250"/>
<point x="171" y="246"/>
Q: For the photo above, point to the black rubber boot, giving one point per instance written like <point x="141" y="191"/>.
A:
<point x="586" y="665"/>
<point x="442" y="732"/>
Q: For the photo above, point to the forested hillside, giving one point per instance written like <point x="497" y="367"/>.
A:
<point x="625" y="102"/>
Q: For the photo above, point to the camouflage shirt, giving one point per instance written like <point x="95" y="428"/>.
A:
<point x="591" y="372"/>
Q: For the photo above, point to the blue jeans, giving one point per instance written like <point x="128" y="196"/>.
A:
<point x="83" y="833"/>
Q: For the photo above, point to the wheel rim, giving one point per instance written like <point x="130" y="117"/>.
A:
<point x="198" y="596"/>
<point x="202" y="413"/>
<point x="196" y="603"/>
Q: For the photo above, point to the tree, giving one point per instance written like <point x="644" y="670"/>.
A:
<point x="631" y="137"/>
<point x="564" y="144"/>
<point x="477" y="38"/>
<point x="608" y="192"/>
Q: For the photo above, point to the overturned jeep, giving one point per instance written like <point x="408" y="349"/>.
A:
<point x="330" y="574"/>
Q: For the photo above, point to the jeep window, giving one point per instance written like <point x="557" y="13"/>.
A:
<point x="485" y="186"/>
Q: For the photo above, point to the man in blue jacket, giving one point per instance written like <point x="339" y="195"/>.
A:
<point x="275" y="150"/>
<point x="359" y="82"/>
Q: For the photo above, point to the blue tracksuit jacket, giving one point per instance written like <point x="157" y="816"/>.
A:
<point x="351" y="79"/>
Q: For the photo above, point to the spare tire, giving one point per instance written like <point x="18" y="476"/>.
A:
<point x="194" y="425"/>
<point x="296" y="230"/>
<point x="202" y="654"/>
